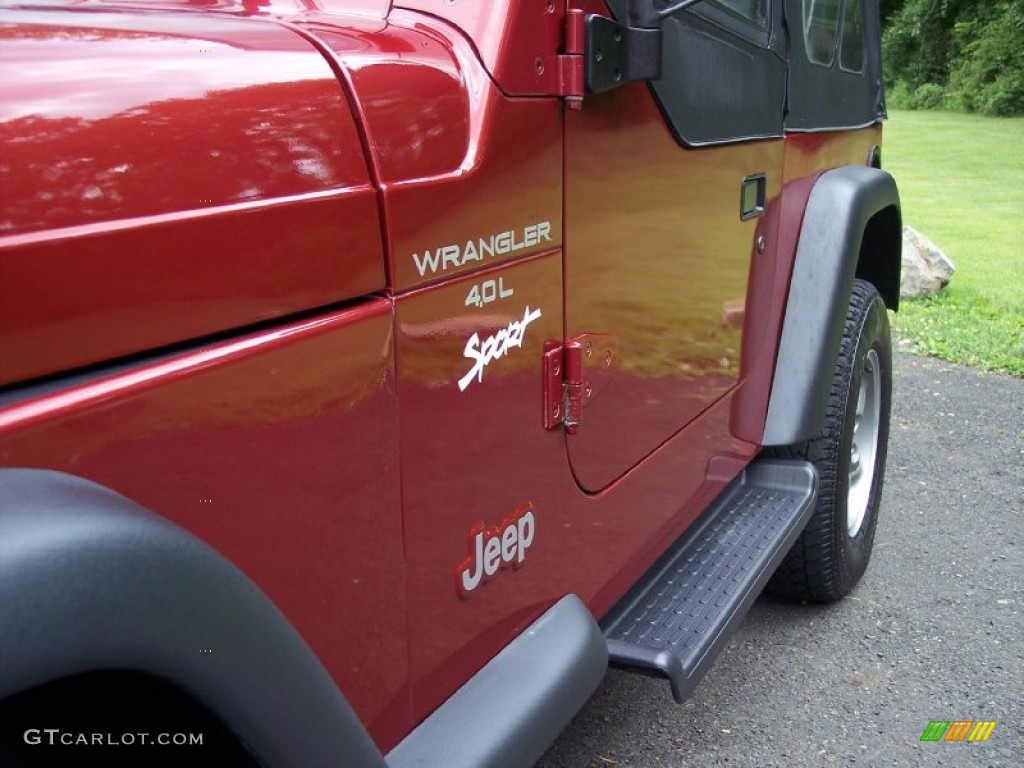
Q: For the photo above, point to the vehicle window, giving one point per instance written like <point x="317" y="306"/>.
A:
<point x="821" y="24"/>
<point x="851" y="48"/>
<point x="754" y="11"/>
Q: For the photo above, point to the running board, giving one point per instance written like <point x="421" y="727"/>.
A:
<point x="679" y="616"/>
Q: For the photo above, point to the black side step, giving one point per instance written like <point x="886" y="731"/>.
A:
<point x="679" y="616"/>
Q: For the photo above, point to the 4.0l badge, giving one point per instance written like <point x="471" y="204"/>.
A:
<point x="494" y="548"/>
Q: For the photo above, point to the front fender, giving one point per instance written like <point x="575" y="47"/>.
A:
<point x="91" y="581"/>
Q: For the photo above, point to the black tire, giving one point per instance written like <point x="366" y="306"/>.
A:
<point x="833" y="551"/>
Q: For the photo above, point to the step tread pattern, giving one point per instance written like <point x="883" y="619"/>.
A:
<point x="692" y="594"/>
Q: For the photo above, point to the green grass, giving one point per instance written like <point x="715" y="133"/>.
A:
<point x="960" y="183"/>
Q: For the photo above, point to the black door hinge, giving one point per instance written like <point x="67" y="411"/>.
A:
<point x="616" y="54"/>
<point x="600" y="54"/>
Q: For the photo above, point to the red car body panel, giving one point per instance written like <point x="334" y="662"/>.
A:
<point x="517" y="40"/>
<point x="808" y="153"/>
<point x="344" y="457"/>
<point x="467" y="457"/>
<point x="271" y="209"/>
<point x="460" y="160"/>
<point x="412" y="95"/>
<point x="249" y="445"/>
<point x="660" y="288"/>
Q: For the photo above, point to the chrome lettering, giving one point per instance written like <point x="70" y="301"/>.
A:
<point x="494" y="548"/>
<point x="455" y="255"/>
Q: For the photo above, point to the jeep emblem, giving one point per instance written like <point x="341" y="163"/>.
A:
<point x="494" y="548"/>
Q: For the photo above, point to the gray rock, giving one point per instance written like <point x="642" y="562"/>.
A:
<point x="926" y="269"/>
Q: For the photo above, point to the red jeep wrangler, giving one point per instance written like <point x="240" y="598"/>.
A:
<point x="376" y="372"/>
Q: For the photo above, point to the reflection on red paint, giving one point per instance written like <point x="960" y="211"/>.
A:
<point x="150" y="198"/>
<point x="288" y="441"/>
<point x="102" y="116"/>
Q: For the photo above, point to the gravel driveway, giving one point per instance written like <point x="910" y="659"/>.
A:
<point x="935" y="631"/>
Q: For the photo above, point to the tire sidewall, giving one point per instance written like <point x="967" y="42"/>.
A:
<point x="853" y="553"/>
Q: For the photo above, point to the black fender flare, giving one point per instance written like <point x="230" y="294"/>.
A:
<point x="90" y="581"/>
<point x="851" y="228"/>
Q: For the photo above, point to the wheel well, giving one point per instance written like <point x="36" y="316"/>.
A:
<point x="879" y="259"/>
<point x="114" y="703"/>
<point x="89" y="580"/>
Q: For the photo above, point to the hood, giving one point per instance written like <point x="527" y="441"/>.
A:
<point x="167" y="176"/>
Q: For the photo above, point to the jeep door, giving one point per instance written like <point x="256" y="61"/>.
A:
<point x="665" y="184"/>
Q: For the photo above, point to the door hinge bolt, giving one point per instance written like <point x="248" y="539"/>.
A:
<point x="571" y="77"/>
<point x="573" y="385"/>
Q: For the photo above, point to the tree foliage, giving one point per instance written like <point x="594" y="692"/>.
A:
<point x="966" y="54"/>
